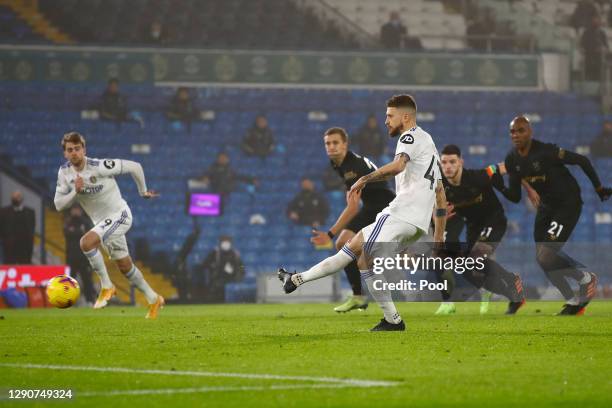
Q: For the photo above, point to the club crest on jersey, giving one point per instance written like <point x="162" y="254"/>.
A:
<point x="109" y="164"/>
<point x="407" y="139"/>
<point x="561" y="154"/>
<point x="93" y="179"/>
<point x="536" y="166"/>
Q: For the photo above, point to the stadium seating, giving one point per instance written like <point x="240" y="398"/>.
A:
<point x="36" y="115"/>
<point x="547" y="20"/>
<point x="422" y="18"/>
<point x="13" y="29"/>
<point x="191" y="23"/>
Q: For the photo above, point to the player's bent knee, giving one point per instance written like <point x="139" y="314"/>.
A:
<point x="89" y="241"/>
<point x="124" y="264"/>
<point x="545" y="258"/>
<point x="362" y="263"/>
<point x="356" y="244"/>
<point x="481" y="250"/>
<point x="344" y="237"/>
<point x="339" y="244"/>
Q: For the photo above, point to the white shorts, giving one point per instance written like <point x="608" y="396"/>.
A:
<point x="112" y="230"/>
<point x="389" y="230"/>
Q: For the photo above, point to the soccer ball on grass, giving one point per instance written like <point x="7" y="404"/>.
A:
<point x="63" y="291"/>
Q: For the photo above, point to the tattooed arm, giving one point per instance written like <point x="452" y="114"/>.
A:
<point x="384" y="173"/>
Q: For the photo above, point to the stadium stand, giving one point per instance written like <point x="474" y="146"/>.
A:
<point x="13" y="28"/>
<point x="426" y="19"/>
<point x="192" y="23"/>
<point x="549" y="21"/>
<point x="37" y="114"/>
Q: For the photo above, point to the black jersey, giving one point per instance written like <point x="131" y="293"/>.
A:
<point x="353" y="167"/>
<point x="544" y="169"/>
<point x="474" y="198"/>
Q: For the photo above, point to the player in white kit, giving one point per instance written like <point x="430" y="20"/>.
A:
<point x="92" y="183"/>
<point x="418" y="184"/>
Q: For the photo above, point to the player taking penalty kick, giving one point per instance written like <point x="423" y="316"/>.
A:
<point x="418" y="188"/>
<point x="375" y="197"/>
<point x="91" y="182"/>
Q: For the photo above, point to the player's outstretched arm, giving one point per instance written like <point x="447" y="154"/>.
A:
<point x="588" y="169"/>
<point x="495" y="173"/>
<point x="137" y="173"/>
<point x="385" y="172"/>
<point x="513" y="191"/>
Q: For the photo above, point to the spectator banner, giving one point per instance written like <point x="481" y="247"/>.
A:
<point x="270" y="68"/>
<point x="39" y="63"/>
<point x="350" y="69"/>
<point x="23" y="276"/>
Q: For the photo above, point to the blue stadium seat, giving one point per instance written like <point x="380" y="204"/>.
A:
<point x="30" y="133"/>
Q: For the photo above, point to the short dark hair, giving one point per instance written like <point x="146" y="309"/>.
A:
<point x="451" y="149"/>
<point x="337" y="131"/>
<point x="74" y="138"/>
<point x="402" y="101"/>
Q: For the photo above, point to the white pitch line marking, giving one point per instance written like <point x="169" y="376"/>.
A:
<point x="330" y="380"/>
<point x="196" y="390"/>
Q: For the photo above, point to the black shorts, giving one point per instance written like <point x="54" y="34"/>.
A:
<point x="555" y="224"/>
<point x="365" y="217"/>
<point x="491" y="231"/>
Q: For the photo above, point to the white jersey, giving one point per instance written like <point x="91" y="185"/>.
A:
<point x="415" y="186"/>
<point x="100" y="196"/>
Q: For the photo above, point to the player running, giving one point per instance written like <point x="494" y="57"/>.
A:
<point x="470" y="193"/>
<point x="542" y="166"/>
<point x="92" y="183"/>
<point x="418" y="187"/>
<point x="375" y="197"/>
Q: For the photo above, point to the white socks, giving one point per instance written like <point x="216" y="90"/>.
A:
<point x="337" y="262"/>
<point x="135" y="277"/>
<point x="585" y="279"/>
<point x="97" y="263"/>
<point x="326" y="267"/>
<point x="382" y="296"/>
<point x="575" y="301"/>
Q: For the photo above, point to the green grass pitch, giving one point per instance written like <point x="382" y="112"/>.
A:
<point x="308" y="356"/>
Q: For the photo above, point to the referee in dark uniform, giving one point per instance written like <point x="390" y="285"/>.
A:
<point x="543" y="167"/>
<point x="375" y="197"/>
